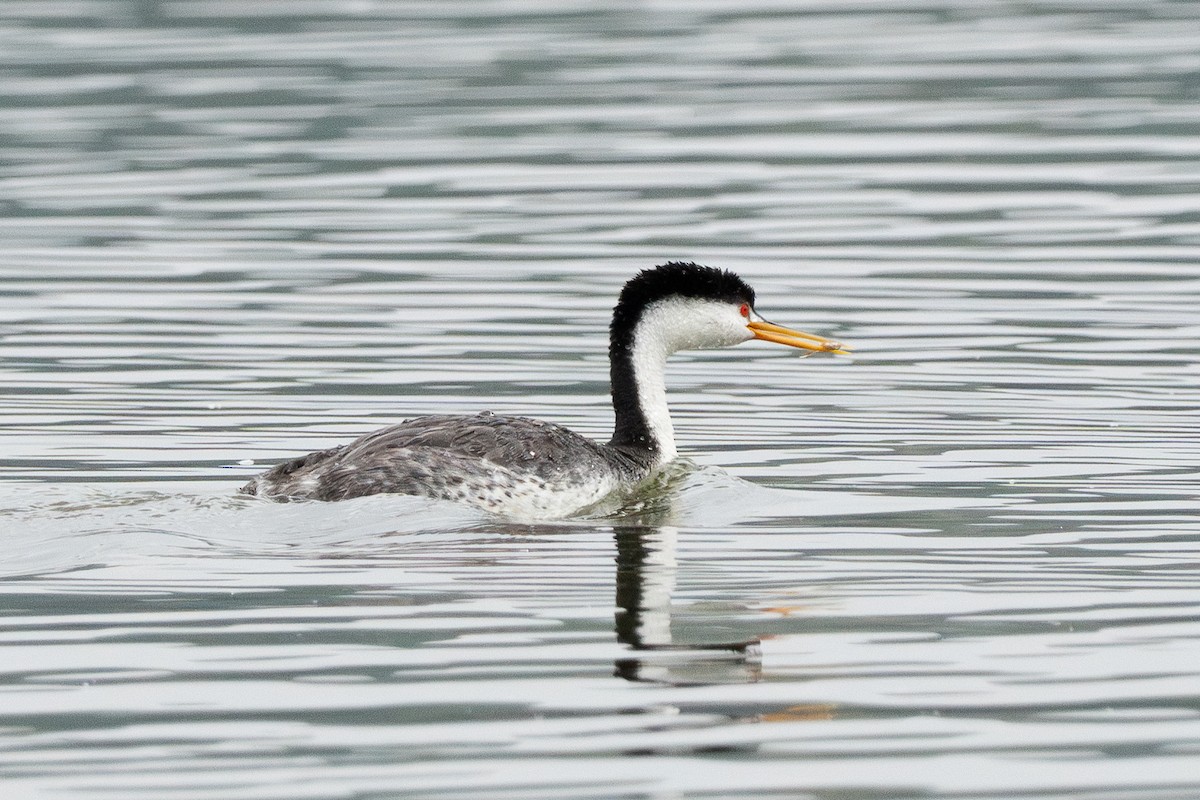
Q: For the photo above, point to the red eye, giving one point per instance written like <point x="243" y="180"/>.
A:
<point x="744" y="310"/>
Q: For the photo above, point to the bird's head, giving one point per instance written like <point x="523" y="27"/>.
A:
<point x="689" y="307"/>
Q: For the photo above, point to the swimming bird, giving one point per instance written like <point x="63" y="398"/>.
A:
<point x="526" y="468"/>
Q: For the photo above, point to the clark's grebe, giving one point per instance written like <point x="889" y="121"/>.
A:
<point x="528" y="468"/>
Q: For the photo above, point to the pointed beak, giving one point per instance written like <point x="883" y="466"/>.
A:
<point x="778" y="334"/>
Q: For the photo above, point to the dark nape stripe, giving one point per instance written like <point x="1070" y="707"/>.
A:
<point x="673" y="279"/>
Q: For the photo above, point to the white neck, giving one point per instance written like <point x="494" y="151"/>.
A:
<point x="649" y="370"/>
<point x="664" y="327"/>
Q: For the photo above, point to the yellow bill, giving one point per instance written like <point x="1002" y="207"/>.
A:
<point x="778" y="334"/>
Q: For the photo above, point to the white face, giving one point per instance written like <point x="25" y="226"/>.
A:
<point x="684" y="323"/>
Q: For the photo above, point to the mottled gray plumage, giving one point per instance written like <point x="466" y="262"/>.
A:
<point x="485" y="459"/>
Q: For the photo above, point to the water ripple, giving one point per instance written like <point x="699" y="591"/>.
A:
<point x="961" y="563"/>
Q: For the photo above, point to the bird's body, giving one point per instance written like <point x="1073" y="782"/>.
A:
<point x="514" y="466"/>
<point x="527" y="468"/>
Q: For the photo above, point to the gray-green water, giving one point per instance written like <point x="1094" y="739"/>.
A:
<point x="963" y="564"/>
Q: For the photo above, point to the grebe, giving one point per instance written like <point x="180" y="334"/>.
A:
<point x="527" y="468"/>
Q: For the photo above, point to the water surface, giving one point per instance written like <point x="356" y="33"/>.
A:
<point x="962" y="563"/>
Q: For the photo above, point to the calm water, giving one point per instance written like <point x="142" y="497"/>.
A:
<point x="964" y="563"/>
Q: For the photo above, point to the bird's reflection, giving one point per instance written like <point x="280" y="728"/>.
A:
<point x="646" y="569"/>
